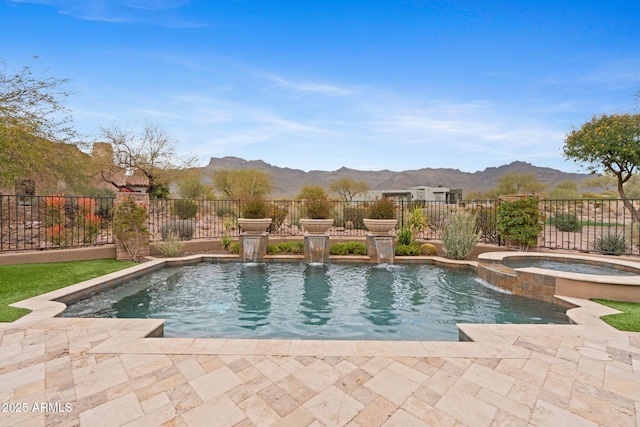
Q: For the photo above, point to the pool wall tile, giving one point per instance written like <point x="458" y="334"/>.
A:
<point x="544" y="284"/>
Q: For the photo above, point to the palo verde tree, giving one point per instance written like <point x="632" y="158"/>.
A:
<point x="347" y="188"/>
<point x="242" y="184"/>
<point x="516" y="183"/>
<point x="37" y="140"/>
<point x="612" y="143"/>
<point x="149" y="151"/>
<point x="190" y="186"/>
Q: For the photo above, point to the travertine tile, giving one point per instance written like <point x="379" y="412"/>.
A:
<point x="271" y="370"/>
<point x="400" y="391"/>
<point x="137" y="365"/>
<point x="317" y="375"/>
<point x="599" y="411"/>
<point x="219" y="412"/>
<point x="402" y="418"/>
<point x="190" y="368"/>
<point x="489" y="379"/>
<point x="258" y="411"/>
<point x="99" y="380"/>
<point x="113" y="413"/>
<point x="333" y="406"/>
<point x="155" y="402"/>
<point x="215" y="383"/>
<point x="21" y="377"/>
<point x="507" y="405"/>
<point x="546" y="414"/>
<point x="476" y="412"/>
<point x="441" y="382"/>
<point x="376" y="413"/>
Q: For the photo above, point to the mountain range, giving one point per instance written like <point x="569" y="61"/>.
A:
<point x="288" y="182"/>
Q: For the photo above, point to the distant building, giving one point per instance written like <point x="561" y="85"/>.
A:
<point x="418" y="195"/>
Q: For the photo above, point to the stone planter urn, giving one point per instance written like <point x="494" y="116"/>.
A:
<point x="254" y="225"/>
<point x="316" y="226"/>
<point x="380" y="227"/>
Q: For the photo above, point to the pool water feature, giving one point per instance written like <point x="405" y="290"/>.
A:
<point x="542" y="276"/>
<point x="569" y="266"/>
<point x="316" y="248"/>
<point x="384" y="248"/>
<point x="314" y="301"/>
<point x="251" y="248"/>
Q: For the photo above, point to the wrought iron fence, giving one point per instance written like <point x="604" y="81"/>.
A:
<point x="47" y="222"/>
<point x="591" y="225"/>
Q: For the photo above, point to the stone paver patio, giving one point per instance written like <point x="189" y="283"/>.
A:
<point x="108" y="372"/>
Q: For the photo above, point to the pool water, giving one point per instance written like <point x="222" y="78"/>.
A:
<point x="307" y="301"/>
<point x="570" y="266"/>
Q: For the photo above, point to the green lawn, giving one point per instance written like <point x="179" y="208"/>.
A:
<point x="628" y="320"/>
<point x="18" y="282"/>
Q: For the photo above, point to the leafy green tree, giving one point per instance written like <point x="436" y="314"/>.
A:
<point x="242" y="184"/>
<point x="607" y="182"/>
<point x="347" y="188"/>
<point x="316" y="202"/>
<point x="516" y="183"/>
<point x="149" y="151"/>
<point x="564" y="190"/>
<point x="192" y="187"/>
<point x="37" y="140"/>
<point x="610" y="143"/>
<point x="312" y="192"/>
<point x="478" y="195"/>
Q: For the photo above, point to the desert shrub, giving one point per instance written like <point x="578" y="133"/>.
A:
<point x="460" y="234"/>
<point x="278" y="215"/>
<point x="428" y="249"/>
<point x="183" y="227"/>
<point x="486" y="222"/>
<point x="185" y="209"/>
<point x="286" y="248"/>
<point x="520" y="221"/>
<point x="234" y="247"/>
<point x="255" y="209"/>
<point x="384" y="208"/>
<point x="348" y="248"/>
<point x="436" y="214"/>
<point x="172" y="246"/>
<point x="318" y="209"/>
<point x="566" y="222"/>
<point x="417" y="221"/>
<point x="353" y="218"/>
<point x="225" y="242"/>
<point x="412" y="249"/>
<point x="611" y="244"/>
<point x="130" y="226"/>
<point x="226" y="210"/>
<point x="404" y="236"/>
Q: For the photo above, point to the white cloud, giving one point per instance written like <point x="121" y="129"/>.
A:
<point x="307" y="87"/>
<point x="121" y="11"/>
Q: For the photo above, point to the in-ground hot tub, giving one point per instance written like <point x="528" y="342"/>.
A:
<point x="543" y="275"/>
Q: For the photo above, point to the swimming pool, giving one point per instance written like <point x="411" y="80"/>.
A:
<point x="306" y="301"/>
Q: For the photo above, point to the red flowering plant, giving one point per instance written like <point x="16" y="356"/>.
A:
<point x="53" y="213"/>
<point x="57" y="235"/>
<point x="53" y="209"/>
<point x="87" y="222"/>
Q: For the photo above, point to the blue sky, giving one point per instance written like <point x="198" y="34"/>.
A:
<point x="369" y="85"/>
